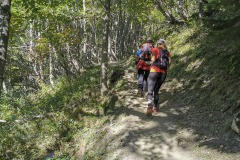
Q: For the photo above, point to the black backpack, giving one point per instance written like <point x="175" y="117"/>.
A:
<point x="146" y="56"/>
<point x="163" y="60"/>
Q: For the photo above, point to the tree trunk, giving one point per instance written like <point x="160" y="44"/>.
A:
<point x="167" y="12"/>
<point x="84" y="29"/>
<point x="4" y="87"/>
<point x="123" y="40"/>
<point x="159" y="6"/>
<point x="200" y="8"/>
<point x="4" y="35"/>
<point x="180" y="10"/>
<point x="51" y="77"/>
<point x="181" y="7"/>
<point x="104" y="60"/>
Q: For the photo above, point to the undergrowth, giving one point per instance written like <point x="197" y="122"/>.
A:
<point x="205" y="69"/>
<point x="55" y="121"/>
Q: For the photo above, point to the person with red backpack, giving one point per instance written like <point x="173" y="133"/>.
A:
<point x="143" y="66"/>
<point x="161" y="61"/>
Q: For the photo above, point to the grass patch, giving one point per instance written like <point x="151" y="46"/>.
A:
<point x="59" y="120"/>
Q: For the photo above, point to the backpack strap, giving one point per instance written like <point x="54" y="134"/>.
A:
<point x="159" y="56"/>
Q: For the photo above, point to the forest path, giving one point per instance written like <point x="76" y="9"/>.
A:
<point x="134" y="136"/>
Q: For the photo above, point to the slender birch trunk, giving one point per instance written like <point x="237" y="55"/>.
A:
<point x="5" y="15"/>
<point x="104" y="60"/>
<point x="182" y="11"/>
<point x="84" y="29"/>
<point x="200" y="8"/>
<point x="51" y="77"/>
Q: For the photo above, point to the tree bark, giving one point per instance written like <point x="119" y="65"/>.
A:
<point x="5" y="15"/>
<point x="167" y="10"/>
<point x="180" y="10"/>
<point x="84" y="29"/>
<point x="51" y="77"/>
<point x="159" y="6"/>
<point x="104" y="60"/>
<point x="200" y="8"/>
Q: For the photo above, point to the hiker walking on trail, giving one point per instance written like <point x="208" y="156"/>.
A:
<point x="143" y="66"/>
<point x="161" y="61"/>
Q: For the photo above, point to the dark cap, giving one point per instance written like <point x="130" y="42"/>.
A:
<point x="149" y="40"/>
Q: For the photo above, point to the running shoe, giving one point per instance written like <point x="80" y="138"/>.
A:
<point x="149" y="111"/>
<point x="155" y="109"/>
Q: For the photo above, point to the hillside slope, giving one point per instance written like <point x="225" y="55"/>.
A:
<point x="197" y="103"/>
<point x="207" y="76"/>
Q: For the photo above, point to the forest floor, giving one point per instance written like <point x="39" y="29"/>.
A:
<point x="181" y="130"/>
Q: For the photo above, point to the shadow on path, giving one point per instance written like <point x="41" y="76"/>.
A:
<point x="166" y="135"/>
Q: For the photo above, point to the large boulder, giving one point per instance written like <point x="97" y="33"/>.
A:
<point x="236" y="123"/>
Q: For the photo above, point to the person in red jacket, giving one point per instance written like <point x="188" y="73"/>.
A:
<point x="143" y="66"/>
<point x="156" y="76"/>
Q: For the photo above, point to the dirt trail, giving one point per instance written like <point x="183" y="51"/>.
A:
<point x="133" y="136"/>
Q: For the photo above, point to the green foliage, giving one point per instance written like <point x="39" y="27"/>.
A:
<point x="57" y="118"/>
<point x="205" y="62"/>
<point x="47" y="120"/>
